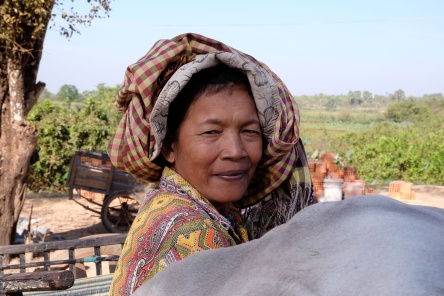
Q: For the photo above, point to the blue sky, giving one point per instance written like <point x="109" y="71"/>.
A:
<point x="315" y="46"/>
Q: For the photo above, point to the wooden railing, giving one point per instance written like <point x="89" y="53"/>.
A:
<point x="47" y="280"/>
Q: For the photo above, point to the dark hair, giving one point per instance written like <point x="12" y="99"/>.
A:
<point x="208" y="81"/>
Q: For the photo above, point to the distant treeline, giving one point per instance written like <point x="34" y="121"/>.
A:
<point x="70" y="94"/>
<point x="358" y="98"/>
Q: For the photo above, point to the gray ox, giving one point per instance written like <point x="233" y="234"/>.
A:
<point x="368" y="245"/>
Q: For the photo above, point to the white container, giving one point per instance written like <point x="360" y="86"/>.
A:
<point x="332" y="189"/>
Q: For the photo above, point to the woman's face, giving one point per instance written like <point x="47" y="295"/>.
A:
<point x="219" y="146"/>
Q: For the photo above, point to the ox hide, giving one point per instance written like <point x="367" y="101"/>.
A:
<point x="367" y="245"/>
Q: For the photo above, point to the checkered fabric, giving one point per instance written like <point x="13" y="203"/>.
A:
<point x="282" y="183"/>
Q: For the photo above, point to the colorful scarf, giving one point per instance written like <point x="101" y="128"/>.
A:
<point x="174" y="222"/>
<point x="282" y="183"/>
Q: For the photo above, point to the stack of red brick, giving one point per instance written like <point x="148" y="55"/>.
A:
<point x="319" y="171"/>
<point x="401" y="190"/>
<point x="327" y="168"/>
<point x="92" y="196"/>
<point x="94" y="162"/>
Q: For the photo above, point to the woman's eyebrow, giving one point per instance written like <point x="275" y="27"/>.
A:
<point x="220" y="122"/>
<point x="252" y="121"/>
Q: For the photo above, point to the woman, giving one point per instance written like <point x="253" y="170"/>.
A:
<point x="217" y="132"/>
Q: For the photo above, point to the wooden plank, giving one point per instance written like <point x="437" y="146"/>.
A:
<point x="112" y="239"/>
<point x="89" y="177"/>
<point x="93" y="176"/>
<point x="63" y="261"/>
<point x="22" y="262"/>
<point x="125" y="182"/>
<point x="71" y="193"/>
<point x="101" y="177"/>
<point x="71" y="257"/>
<point x="46" y="257"/>
<point x="126" y="178"/>
<point x="109" y="182"/>
<point x="72" y="170"/>
<point x="93" y="154"/>
<point x="98" y="263"/>
<point x="37" y="281"/>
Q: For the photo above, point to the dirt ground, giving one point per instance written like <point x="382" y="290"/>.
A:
<point x="66" y="219"/>
<point x="72" y="219"/>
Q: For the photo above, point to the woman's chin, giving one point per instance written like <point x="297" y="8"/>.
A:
<point x="226" y="196"/>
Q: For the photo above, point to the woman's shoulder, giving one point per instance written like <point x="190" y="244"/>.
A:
<point x="162" y="199"/>
<point x="167" y="205"/>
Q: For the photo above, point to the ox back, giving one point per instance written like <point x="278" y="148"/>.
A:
<point x="367" y="245"/>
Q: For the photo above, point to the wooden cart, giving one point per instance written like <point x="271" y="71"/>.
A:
<point x="123" y="194"/>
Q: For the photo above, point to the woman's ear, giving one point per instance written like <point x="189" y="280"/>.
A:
<point x="168" y="154"/>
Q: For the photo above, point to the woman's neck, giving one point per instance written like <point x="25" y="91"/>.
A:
<point x="222" y="208"/>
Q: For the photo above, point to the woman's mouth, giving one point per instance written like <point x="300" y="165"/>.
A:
<point x="234" y="175"/>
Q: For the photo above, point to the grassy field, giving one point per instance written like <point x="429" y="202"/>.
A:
<point x="408" y="146"/>
<point x="320" y="127"/>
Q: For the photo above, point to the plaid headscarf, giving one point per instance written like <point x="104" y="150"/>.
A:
<point x="282" y="183"/>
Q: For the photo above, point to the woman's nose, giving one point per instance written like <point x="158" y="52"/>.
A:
<point x="233" y="147"/>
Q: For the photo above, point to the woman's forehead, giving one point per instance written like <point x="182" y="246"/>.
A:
<point x="212" y="108"/>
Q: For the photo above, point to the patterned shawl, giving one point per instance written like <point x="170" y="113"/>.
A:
<point x="282" y="183"/>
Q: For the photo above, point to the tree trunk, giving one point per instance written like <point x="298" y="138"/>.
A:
<point x="23" y="29"/>
<point x="18" y="140"/>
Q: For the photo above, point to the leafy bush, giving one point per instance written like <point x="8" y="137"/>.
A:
<point x="63" y="131"/>
<point x="345" y="116"/>
<point x="406" y="153"/>
<point x="409" y="110"/>
<point x="53" y="125"/>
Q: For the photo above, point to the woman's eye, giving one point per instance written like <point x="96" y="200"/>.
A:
<point x="211" y="132"/>
<point x="248" y="131"/>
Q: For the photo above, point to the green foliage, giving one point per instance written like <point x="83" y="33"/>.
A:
<point x="390" y="152"/>
<point x="47" y="95"/>
<point x="69" y="93"/>
<point x="403" y="142"/>
<point x="322" y="127"/>
<point x="63" y="131"/>
<point x="408" y="110"/>
<point x="105" y="96"/>
<point x="354" y="99"/>
<point x="23" y="23"/>
<point x="53" y="124"/>
<point x="399" y="95"/>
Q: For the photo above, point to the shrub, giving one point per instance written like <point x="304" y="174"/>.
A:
<point x="399" y="153"/>
<point x="63" y="131"/>
<point x="409" y="110"/>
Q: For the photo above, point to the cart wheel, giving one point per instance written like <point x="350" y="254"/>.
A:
<point x="119" y="211"/>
